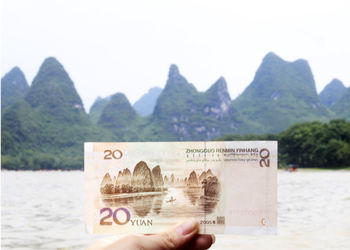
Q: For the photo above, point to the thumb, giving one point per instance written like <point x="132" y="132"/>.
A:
<point x="175" y="238"/>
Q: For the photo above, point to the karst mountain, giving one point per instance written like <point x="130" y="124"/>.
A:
<point x="45" y="124"/>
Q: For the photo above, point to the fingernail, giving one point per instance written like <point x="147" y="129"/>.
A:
<point x="187" y="227"/>
<point x="213" y="238"/>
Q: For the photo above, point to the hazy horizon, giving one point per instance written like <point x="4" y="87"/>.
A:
<point x="108" y="46"/>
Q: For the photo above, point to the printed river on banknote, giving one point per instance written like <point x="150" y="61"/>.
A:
<point x="148" y="187"/>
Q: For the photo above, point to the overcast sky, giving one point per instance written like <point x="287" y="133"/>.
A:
<point x="128" y="46"/>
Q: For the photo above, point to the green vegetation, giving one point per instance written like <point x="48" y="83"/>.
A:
<point x="310" y="144"/>
<point x="97" y="108"/>
<point x="45" y="125"/>
<point x="47" y="128"/>
<point x="342" y="106"/>
<point x="14" y="87"/>
<point x="118" y="113"/>
<point x="281" y="94"/>
<point x="337" y="97"/>
<point x="332" y="92"/>
<point x="183" y="113"/>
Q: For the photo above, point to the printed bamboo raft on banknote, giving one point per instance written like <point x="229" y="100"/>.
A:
<point x="148" y="187"/>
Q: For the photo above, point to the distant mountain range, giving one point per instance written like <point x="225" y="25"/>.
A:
<point x="14" y="87"/>
<point x="332" y="93"/>
<point x="45" y="124"/>
<point x="282" y="93"/>
<point x="145" y="105"/>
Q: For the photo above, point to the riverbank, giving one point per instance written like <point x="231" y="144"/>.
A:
<point x="318" y="169"/>
<point x="82" y="170"/>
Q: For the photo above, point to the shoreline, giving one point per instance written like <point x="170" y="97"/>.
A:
<point x="129" y="195"/>
<point x="42" y="170"/>
<point x="319" y="169"/>
<point x="82" y="170"/>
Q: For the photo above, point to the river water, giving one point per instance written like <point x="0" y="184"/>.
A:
<point x="161" y="206"/>
<point x="44" y="210"/>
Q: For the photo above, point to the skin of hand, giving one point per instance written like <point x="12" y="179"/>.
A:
<point x="182" y="236"/>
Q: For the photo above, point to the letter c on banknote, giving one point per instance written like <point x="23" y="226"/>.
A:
<point x="127" y="213"/>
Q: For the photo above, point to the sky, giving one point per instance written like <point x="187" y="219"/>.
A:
<point x="110" y="46"/>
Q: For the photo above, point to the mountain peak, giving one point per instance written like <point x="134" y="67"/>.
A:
<point x="177" y="81"/>
<point x="15" y="77"/>
<point x="118" y="112"/>
<point x="271" y="62"/>
<point x="219" y="87"/>
<point x="218" y="97"/>
<point x="53" y="90"/>
<point x="51" y="68"/>
<point x="336" y="82"/>
<point x="168" y="101"/>
<point x="14" y="86"/>
<point x="273" y="59"/>
<point x="274" y="67"/>
<point x="50" y="60"/>
<point x="154" y="90"/>
<point x="97" y="108"/>
<point x="332" y="92"/>
<point x="271" y="56"/>
<point x="120" y="97"/>
<point x="221" y="83"/>
<point x="15" y="70"/>
<point x="173" y="71"/>
<point x="279" y="83"/>
<point x="52" y="65"/>
<point x="145" y="105"/>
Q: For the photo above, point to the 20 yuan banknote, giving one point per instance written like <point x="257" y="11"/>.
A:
<point x="148" y="187"/>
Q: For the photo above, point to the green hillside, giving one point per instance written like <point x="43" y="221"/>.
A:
<point x="44" y="125"/>
<point x="119" y="118"/>
<point x="14" y="87"/>
<point x="97" y="107"/>
<point x="47" y="129"/>
<point x="186" y="114"/>
<point x="342" y="106"/>
<point x="282" y="93"/>
<point x="332" y="92"/>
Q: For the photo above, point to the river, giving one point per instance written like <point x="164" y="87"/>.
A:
<point x="44" y="210"/>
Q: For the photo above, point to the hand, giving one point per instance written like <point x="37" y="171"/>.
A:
<point x="183" y="236"/>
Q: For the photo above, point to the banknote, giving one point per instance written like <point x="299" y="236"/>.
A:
<point x="230" y="187"/>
